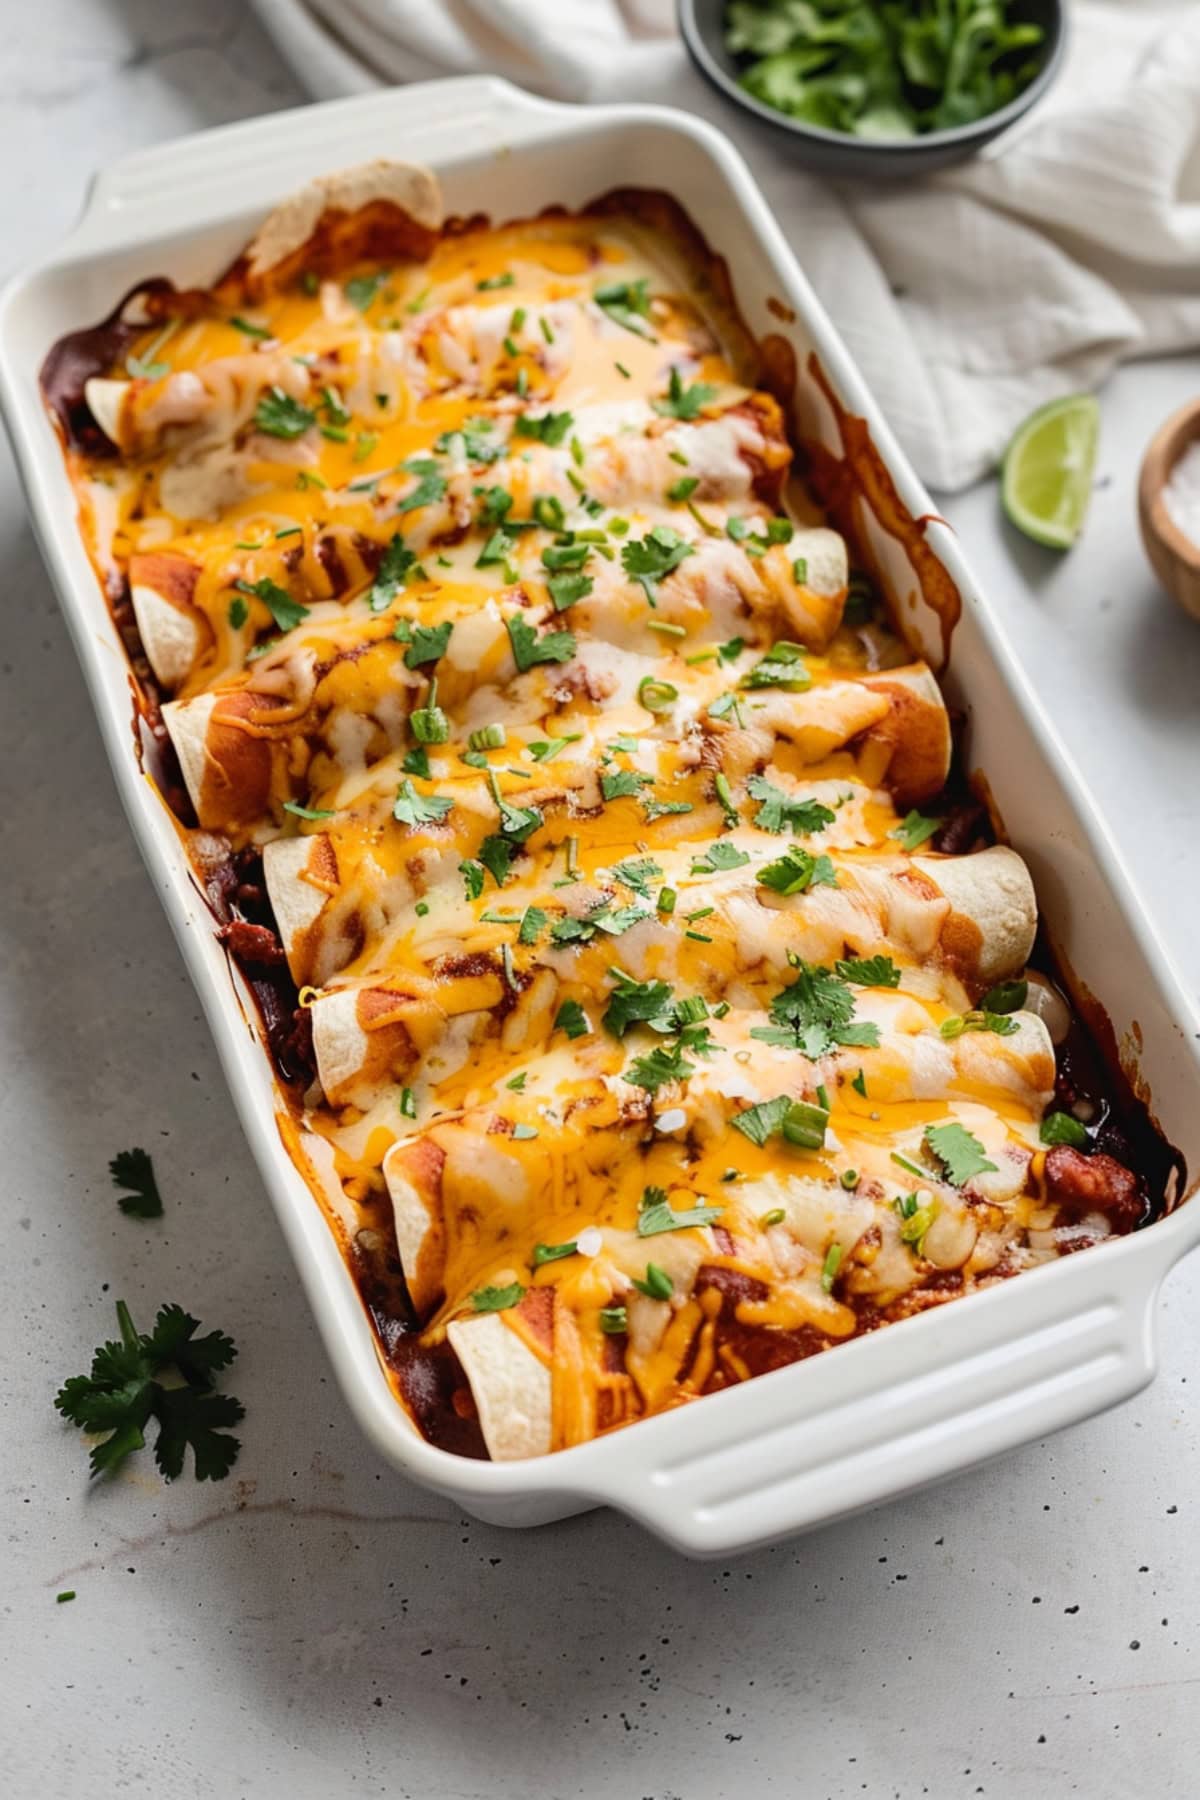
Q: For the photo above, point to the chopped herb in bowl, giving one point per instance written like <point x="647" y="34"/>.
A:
<point x="884" y="68"/>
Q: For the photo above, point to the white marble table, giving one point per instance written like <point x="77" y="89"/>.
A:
<point x="317" y="1628"/>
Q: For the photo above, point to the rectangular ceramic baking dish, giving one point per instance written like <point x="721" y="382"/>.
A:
<point x="888" y="1412"/>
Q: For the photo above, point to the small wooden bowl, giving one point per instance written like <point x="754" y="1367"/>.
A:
<point x="1174" y="557"/>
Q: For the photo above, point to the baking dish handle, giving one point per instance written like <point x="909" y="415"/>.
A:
<point x="959" y="1385"/>
<point x="259" y="160"/>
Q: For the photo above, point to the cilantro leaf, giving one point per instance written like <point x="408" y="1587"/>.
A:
<point x="278" y="415"/>
<point x="719" y="857"/>
<point x="958" y="1151"/>
<point x="796" y="871"/>
<point x="533" y="923"/>
<point x="495" y="504"/>
<point x="472" y="874"/>
<point x="637" y="1003"/>
<point x="914" y="830"/>
<point x="869" y="971"/>
<point x="528" y="648"/>
<point x="426" y="643"/>
<point x="496" y="854"/>
<point x="187" y="1418"/>
<point x="637" y="872"/>
<point x="782" y="666"/>
<point x="286" y="612"/>
<point x="1005" y="997"/>
<point x="623" y="784"/>
<point x="360" y="290"/>
<point x="416" y="809"/>
<point x="124" y="1391"/>
<point x="657" y="1216"/>
<point x="758" y="1123"/>
<point x="999" y="1023"/>
<point x="1063" y="1128"/>
<point x="647" y="560"/>
<point x="659" y="1066"/>
<point x="497" y="1299"/>
<point x="394" y="566"/>
<point x="779" y="810"/>
<point x="684" y="402"/>
<point x="627" y="304"/>
<point x="572" y="1019"/>
<point x="549" y="428"/>
<point x="133" y="1170"/>
<point x="430" y="484"/>
<point x="566" y="589"/>
<point x="818" y="1010"/>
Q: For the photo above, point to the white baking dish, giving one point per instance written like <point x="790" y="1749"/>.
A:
<point x="884" y="1413"/>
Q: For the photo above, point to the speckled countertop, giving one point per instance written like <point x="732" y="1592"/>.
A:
<point x="317" y="1628"/>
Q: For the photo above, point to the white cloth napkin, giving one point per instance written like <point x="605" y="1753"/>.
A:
<point x="967" y="298"/>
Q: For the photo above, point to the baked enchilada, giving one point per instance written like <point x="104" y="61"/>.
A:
<point x="652" y="1005"/>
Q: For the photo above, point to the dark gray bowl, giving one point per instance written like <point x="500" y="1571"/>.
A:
<point x="701" y="23"/>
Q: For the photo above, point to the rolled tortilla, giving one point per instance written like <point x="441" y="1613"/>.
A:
<point x="228" y="766"/>
<point x="993" y="911"/>
<point x="376" y="209"/>
<point x="106" y="403"/>
<point x="172" y="629"/>
<point x="301" y="874"/>
<point x="510" y="1383"/>
<point x="373" y="1036"/>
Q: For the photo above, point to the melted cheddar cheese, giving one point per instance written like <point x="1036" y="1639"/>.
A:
<point x="649" y="1028"/>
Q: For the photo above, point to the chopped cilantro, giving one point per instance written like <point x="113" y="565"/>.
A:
<point x="411" y="808"/>
<point x="782" y="666"/>
<point x="360" y="290"/>
<point x="718" y="857"/>
<point x="869" y="971"/>
<point x="472" y="874"/>
<point x="658" y="1067"/>
<point x="566" y="589"/>
<point x="286" y="612"/>
<point x="528" y="648"/>
<point x="496" y="854"/>
<point x="627" y="304"/>
<point x="623" y="784"/>
<point x="779" y="810"/>
<point x="307" y="812"/>
<point x="647" y="560"/>
<point x="656" y="1216"/>
<point x="999" y="1023"/>
<point x="497" y="1299"/>
<point x="656" y="1284"/>
<point x="495" y="504"/>
<point x="684" y="488"/>
<point x="958" y="1151"/>
<point x="814" y="1013"/>
<point x="684" y="402"/>
<point x="1059" y="1128"/>
<point x="915" y="829"/>
<point x="394" y="566"/>
<point x="796" y="871"/>
<point x="549" y="428"/>
<point x="572" y="1019"/>
<point x="430" y="484"/>
<point x="278" y="415"/>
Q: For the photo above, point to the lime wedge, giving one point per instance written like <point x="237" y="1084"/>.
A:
<point x="1047" y="475"/>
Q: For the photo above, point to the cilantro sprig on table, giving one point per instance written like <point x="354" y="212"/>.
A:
<point x="132" y="1174"/>
<point x="167" y="1375"/>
